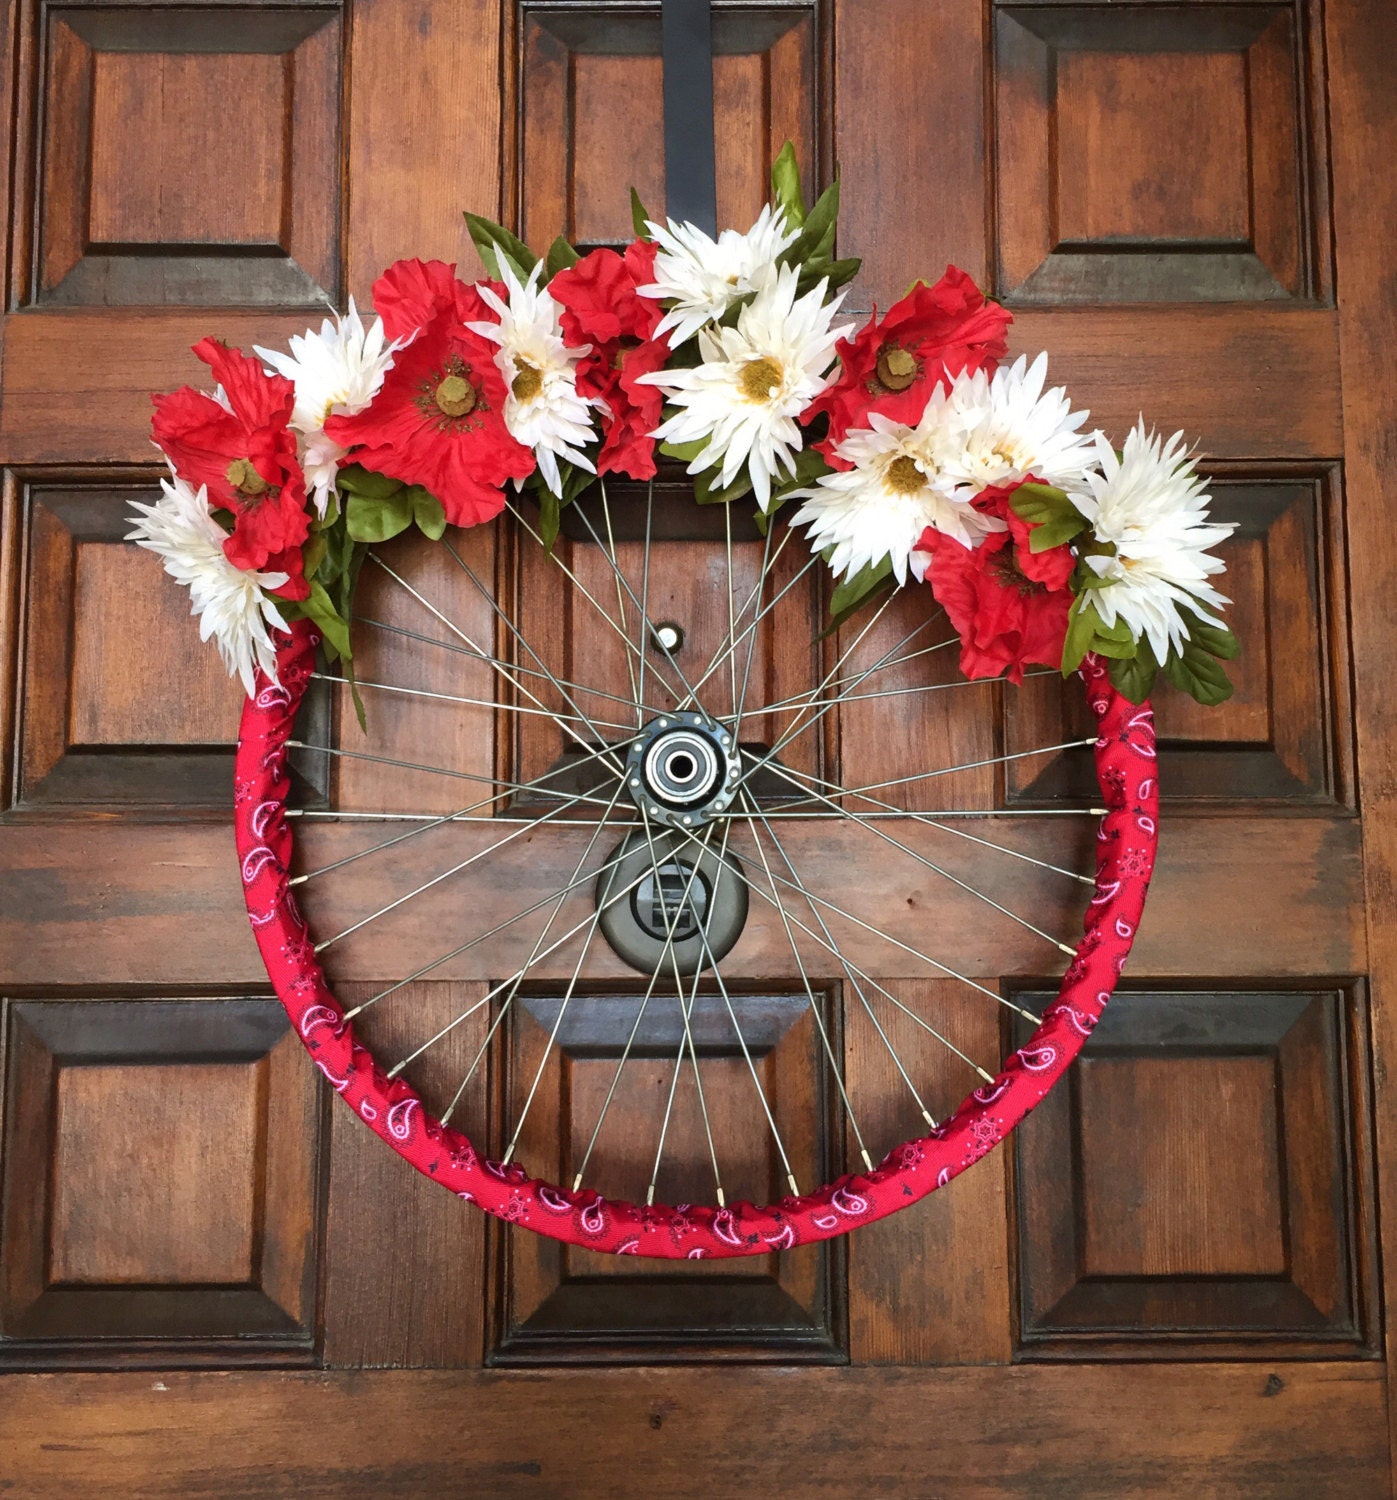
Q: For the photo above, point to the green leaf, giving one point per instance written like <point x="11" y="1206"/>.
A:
<point x="841" y="272"/>
<point x="1215" y="639"/>
<point x="639" y="215"/>
<point x="1082" y="624"/>
<point x="320" y="609"/>
<point x="820" y="222"/>
<point x="1134" y="676"/>
<point x="496" y="245"/>
<point x="316" y="549"/>
<point x="361" y="481"/>
<point x="358" y="702"/>
<point x="428" y="512"/>
<point x="1198" y="674"/>
<point x="1120" y="631"/>
<point x="376" y="520"/>
<point x="1044" y="503"/>
<point x="685" y="452"/>
<point x="561" y="255"/>
<point x="870" y="582"/>
<point x="1050" y="534"/>
<point x="815" y="245"/>
<point x="707" y="490"/>
<point x="785" y="185"/>
<point x="550" y="510"/>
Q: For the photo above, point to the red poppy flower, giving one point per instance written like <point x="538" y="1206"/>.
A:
<point x="1052" y="567"/>
<point x="892" y="365"/>
<point x="410" y="293"/>
<point x="1005" y="620"/>
<point x="601" y="307"/>
<point x="243" y="450"/>
<point x="438" y="418"/>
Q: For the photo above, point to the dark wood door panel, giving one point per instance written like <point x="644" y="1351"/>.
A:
<point x="163" y="885"/>
<point x="159" y="1184"/>
<point x="1170" y="362"/>
<point x="1227" y="1432"/>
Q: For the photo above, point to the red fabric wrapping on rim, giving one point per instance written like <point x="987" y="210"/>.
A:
<point x="1125" y="765"/>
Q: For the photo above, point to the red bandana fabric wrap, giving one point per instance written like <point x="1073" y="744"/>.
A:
<point x="1125" y="764"/>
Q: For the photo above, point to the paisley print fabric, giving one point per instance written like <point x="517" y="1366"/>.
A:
<point x="1126" y="839"/>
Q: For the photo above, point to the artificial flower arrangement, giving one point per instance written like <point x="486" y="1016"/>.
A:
<point x="911" y="450"/>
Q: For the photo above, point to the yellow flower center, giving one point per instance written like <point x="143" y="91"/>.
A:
<point x="528" y="381"/>
<point x="903" y="477"/>
<point x="897" y="368"/>
<point x="760" y="379"/>
<point x="243" y="476"/>
<point x="455" y="396"/>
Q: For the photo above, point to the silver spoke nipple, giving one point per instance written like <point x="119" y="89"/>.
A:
<point x="867" y="1160"/>
<point x="577" y="1182"/>
<point x="791" y="1183"/>
<point x="988" y="1077"/>
<point x="1029" y="1016"/>
<point x="722" y="1201"/>
<point x="929" y="1119"/>
<point x="297" y="880"/>
<point x="397" y="1068"/>
<point x="350" y="1014"/>
<point x="1068" y="950"/>
<point x="1088" y="880"/>
<point x="649" y="1195"/>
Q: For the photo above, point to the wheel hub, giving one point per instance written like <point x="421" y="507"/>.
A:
<point x="683" y="769"/>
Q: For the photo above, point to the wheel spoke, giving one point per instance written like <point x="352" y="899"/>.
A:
<point x="462" y="815"/>
<point x="887" y="937"/>
<point x="493" y="661"/>
<point x="666" y="953"/>
<point x="921" y="859"/>
<point x="646" y="626"/>
<point x="835" y="1067"/>
<point x="929" y="820"/>
<point x="514" y="630"/>
<point x="969" y="765"/>
<point x="513" y="708"/>
<point x="884" y="662"/>
<point x="621" y="605"/>
<point x="499" y="927"/>
<point x="465" y="864"/>
<point x="844" y="963"/>
<point x="513" y="681"/>
<point x="516" y="978"/>
<point x="411" y="765"/>
<point x="587" y="594"/>
<point x="808" y="698"/>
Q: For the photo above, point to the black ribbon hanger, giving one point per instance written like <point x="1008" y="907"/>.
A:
<point x="691" y="191"/>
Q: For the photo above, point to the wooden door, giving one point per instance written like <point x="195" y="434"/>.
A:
<point x="213" y="1281"/>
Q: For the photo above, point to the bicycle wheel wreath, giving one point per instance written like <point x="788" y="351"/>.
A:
<point x="911" y="458"/>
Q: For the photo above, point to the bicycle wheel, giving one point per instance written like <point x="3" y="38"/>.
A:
<point x="692" y="834"/>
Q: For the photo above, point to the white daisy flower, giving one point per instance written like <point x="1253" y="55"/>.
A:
<point x="233" y="606"/>
<point x="1151" y="505"/>
<point x="755" y="380"/>
<point x="1004" y="427"/>
<point x="338" y="370"/>
<point x="895" y="490"/>
<point x="543" y="410"/>
<point x="703" y="277"/>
